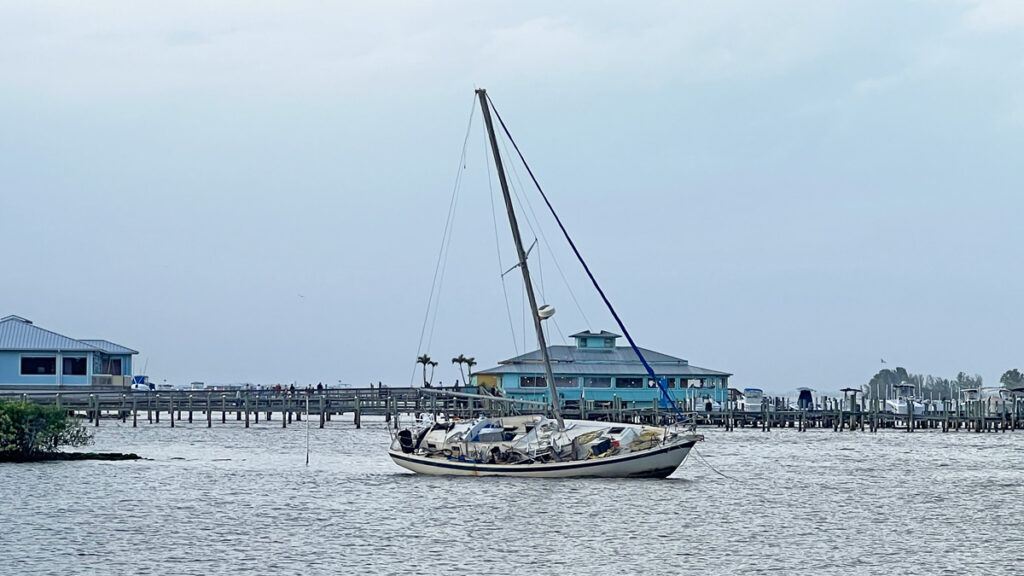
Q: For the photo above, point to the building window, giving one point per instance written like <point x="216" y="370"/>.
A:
<point x="629" y="382"/>
<point x="111" y="366"/>
<point x="541" y="382"/>
<point x="597" y="382"/>
<point x="671" y="382"/>
<point x="566" y="382"/>
<point x="532" y="382"/>
<point x="38" y="365"/>
<point x="609" y="343"/>
<point x="583" y="342"/>
<point x="74" y="366"/>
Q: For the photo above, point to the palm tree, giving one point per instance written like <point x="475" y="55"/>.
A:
<point x="432" y="366"/>
<point x="463" y="360"/>
<point x="460" y="361"/>
<point x="425" y="360"/>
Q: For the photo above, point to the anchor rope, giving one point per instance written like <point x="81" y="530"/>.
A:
<point x="713" y="469"/>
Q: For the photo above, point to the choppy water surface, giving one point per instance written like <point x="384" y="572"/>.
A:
<point x="229" y="499"/>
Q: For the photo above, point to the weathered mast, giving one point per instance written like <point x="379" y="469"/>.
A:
<point x="482" y="95"/>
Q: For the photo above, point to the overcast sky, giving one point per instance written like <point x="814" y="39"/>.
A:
<point x="788" y="191"/>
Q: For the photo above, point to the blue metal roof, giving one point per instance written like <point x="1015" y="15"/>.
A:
<point x="16" y="333"/>
<point x="589" y="334"/>
<point x="619" y="354"/>
<point x="619" y="361"/>
<point x="109" y="347"/>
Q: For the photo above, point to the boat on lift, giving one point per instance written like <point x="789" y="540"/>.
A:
<point x="752" y="399"/>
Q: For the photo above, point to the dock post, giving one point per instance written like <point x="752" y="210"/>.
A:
<point x="135" y="413"/>
<point x="209" y="412"/>
<point x="358" y="413"/>
<point x="189" y="408"/>
<point x="256" y="407"/>
<point x="223" y="409"/>
<point x="96" y="411"/>
<point x="124" y="411"/>
<point x="322" y="416"/>
<point x="246" y="406"/>
<point x="149" y="408"/>
<point x="284" y="410"/>
<point x="156" y="406"/>
<point x="170" y="411"/>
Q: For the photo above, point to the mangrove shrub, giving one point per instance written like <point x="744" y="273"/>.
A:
<point x="28" y="430"/>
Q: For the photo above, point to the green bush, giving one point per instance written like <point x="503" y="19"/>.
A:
<point x="28" y="430"/>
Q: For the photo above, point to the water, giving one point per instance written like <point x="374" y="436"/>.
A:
<point x="228" y="499"/>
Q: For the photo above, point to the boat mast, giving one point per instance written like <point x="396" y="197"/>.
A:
<point x="482" y="95"/>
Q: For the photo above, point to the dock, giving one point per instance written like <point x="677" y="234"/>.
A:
<point x="171" y="407"/>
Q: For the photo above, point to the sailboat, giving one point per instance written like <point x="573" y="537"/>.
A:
<point x="546" y="446"/>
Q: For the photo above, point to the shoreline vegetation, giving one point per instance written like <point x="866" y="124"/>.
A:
<point x="30" y="432"/>
<point x="67" y="456"/>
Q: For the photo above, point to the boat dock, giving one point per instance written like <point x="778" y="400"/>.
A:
<point x="251" y="406"/>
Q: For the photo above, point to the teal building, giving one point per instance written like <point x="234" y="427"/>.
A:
<point x="597" y="368"/>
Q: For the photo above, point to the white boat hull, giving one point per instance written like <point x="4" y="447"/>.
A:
<point x="657" y="462"/>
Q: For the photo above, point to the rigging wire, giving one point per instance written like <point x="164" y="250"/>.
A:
<point x="531" y="216"/>
<point x="497" y="246"/>
<point x="661" y="382"/>
<point x="442" y="256"/>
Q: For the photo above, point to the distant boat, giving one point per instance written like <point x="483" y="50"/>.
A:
<point x="904" y="401"/>
<point x="805" y="399"/>
<point x="752" y="399"/>
<point x="539" y="446"/>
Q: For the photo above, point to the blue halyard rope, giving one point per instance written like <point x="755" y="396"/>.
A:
<point x="662" y="381"/>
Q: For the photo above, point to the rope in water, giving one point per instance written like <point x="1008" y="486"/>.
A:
<point x="713" y="469"/>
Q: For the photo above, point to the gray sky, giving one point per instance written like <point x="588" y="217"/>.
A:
<point x="788" y="191"/>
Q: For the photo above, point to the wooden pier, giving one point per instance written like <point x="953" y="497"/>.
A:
<point x="210" y="407"/>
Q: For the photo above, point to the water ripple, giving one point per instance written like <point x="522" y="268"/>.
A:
<point x="228" y="499"/>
